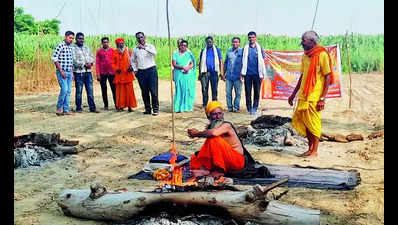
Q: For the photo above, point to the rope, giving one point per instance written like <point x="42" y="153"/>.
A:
<point x="60" y="10"/>
<point x="316" y="10"/>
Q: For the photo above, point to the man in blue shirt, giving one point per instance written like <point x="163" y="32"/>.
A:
<point x="253" y="70"/>
<point x="210" y="65"/>
<point x="232" y="69"/>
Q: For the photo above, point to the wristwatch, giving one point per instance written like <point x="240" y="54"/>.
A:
<point x="322" y="99"/>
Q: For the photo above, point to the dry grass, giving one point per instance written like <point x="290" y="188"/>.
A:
<point x="28" y="80"/>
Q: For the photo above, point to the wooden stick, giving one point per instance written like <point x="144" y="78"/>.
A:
<point x="274" y="185"/>
<point x="173" y="145"/>
<point x="349" y="67"/>
<point x="261" y="192"/>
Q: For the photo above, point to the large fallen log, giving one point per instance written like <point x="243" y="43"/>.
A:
<point x="250" y="205"/>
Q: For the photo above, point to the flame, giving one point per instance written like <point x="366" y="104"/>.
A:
<point x="173" y="148"/>
<point x="220" y="180"/>
<point x="176" y="173"/>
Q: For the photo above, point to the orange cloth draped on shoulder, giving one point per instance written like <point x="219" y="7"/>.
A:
<point x="123" y="81"/>
<point x="216" y="152"/>
<point x="311" y="75"/>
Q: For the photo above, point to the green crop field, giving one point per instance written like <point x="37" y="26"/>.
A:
<point x="32" y="52"/>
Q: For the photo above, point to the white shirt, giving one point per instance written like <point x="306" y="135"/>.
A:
<point x="143" y="58"/>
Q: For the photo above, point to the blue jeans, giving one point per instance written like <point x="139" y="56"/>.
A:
<point x="85" y="79"/>
<point x="64" y="94"/>
<point x="255" y="82"/>
<point x="204" y="80"/>
<point x="237" y="85"/>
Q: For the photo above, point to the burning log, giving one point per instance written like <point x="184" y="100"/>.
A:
<point x="251" y="205"/>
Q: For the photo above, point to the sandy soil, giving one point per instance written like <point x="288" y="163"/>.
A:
<point x="114" y="145"/>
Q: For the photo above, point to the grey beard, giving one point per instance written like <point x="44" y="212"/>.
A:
<point x="215" y="123"/>
<point x="120" y="50"/>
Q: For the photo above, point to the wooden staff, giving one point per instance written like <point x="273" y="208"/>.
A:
<point x="173" y="145"/>
<point x="349" y="67"/>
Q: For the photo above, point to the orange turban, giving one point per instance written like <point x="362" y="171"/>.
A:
<point x="119" y="40"/>
<point x="212" y="106"/>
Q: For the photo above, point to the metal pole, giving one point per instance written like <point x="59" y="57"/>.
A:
<point x="171" y="80"/>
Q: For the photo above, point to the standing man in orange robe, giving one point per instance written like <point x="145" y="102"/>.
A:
<point x="124" y="77"/>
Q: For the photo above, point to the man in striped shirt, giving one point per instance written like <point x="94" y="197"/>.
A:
<point x="63" y="61"/>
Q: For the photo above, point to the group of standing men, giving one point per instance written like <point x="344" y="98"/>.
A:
<point x="245" y="64"/>
<point x="118" y="66"/>
<point x="241" y="64"/>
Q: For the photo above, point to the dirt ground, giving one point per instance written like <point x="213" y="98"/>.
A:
<point x="114" y="145"/>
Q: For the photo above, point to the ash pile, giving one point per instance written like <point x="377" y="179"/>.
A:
<point x="164" y="218"/>
<point x="37" y="149"/>
<point x="271" y="130"/>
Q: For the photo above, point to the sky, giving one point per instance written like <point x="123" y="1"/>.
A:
<point x="277" y="17"/>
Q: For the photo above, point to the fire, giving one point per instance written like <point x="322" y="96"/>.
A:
<point x="220" y="180"/>
<point x="177" y="174"/>
<point x="175" y="178"/>
<point x="173" y="148"/>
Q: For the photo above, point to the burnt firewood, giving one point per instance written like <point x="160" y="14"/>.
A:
<point x="42" y="139"/>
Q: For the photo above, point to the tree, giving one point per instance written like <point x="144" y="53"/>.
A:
<point x="48" y="26"/>
<point x="25" y="23"/>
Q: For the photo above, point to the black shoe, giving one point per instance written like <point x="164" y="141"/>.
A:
<point x="147" y="112"/>
<point x="94" y="111"/>
<point x="130" y="109"/>
<point x="230" y="110"/>
<point x="155" y="113"/>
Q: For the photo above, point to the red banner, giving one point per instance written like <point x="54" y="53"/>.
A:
<point x="283" y="73"/>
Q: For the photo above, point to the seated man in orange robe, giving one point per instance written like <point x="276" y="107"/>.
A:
<point x="222" y="151"/>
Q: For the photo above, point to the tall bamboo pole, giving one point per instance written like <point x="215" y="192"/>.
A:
<point x="349" y="67"/>
<point x="36" y="81"/>
<point x="173" y="147"/>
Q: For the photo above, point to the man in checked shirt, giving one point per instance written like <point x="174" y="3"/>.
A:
<point x="63" y="61"/>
